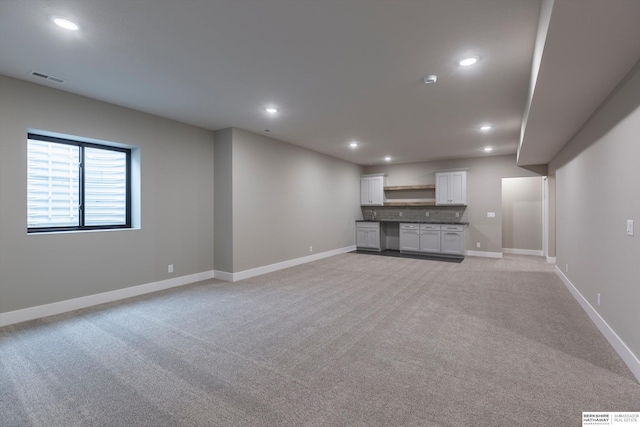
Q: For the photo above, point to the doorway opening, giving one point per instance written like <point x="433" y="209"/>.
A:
<point x="524" y="209"/>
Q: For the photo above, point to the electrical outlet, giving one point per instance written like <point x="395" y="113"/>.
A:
<point x="400" y="213"/>
<point x="170" y="268"/>
<point x="491" y="214"/>
<point x="566" y="268"/>
<point x="310" y="248"/>
<point x="629" y="227"/>
<point x="598" y="298"/>
<point x="426" y="214"/>
<point x="457" y="214"/>
<point x="478" y="245"/>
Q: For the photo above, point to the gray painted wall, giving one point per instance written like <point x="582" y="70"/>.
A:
<point x="176" y="201"/>
<point x="287" y="198"/>
<point x="223" y="201"/>
<point x="597" y="179"/>
<point x="522" y="213"/>
<point x="484" y="191"/>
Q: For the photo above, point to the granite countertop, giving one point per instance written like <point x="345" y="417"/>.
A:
<point x="410" y="221"/>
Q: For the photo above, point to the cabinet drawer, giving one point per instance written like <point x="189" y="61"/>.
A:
<point x="404" y="226"/>
<point x="367" y="225"/>
<point x="435" y="227"/>
<point x="452" y="227"/>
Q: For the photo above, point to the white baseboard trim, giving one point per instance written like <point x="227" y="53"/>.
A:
<point x="484" y="254"/>
<point x="551" y="259"/>
<point x="514" y="251"/>
<point x="616" y="342"/>
<point x="241" y="275"/>
<point x="223" y="275"/>
<point x="45" y="310"/>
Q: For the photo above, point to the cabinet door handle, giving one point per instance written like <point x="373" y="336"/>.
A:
<point x="454" y="234"/>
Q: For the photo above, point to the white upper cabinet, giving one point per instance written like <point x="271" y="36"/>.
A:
<point x="372" y="190"/>
<point x="451" y="188"/>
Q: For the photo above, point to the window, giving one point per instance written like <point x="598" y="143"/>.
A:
<point x="75" y="185"/>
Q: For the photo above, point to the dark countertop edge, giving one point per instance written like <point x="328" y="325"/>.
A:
<point x="415" y="222"/>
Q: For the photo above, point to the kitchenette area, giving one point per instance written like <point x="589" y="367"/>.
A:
<point x="427" y="219"/>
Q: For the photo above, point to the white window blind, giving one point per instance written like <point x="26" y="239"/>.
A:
<point x="105" y="187"/>
<point x="53" y="188"/>
<point x="76" y="185"/>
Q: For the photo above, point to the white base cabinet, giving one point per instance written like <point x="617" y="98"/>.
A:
<point x="410" y="237"/>
<point x="420" y="238"/>
<point x="370" y="236"/>
<point x="432" y="238"/>
<point x="452" y="240"/>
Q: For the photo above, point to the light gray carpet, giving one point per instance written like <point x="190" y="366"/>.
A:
<point x="349" y="340"/>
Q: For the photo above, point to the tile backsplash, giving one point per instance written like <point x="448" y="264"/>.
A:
<point x="439" y="213"/>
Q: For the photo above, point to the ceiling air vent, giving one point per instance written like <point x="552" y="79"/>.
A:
<point x="47" y="77"/>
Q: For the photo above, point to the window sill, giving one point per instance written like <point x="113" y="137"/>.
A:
<point x="40" y="233"/>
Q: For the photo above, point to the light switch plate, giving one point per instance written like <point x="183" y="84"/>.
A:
<point x="629" y="227"/>
<point x="491" y="214"/>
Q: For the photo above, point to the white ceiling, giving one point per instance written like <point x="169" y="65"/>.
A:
<point x="590" y="46"/>
<point x="339" y="70"/>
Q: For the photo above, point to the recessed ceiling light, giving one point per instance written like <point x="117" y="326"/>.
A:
<point x="465" y="62"/>
<point x="66" y="24"/>
<point x="271" y="110"/>
<point x="485" y="127"/>
<point x="388" y="158"/>
<point x="353" y="144"/>
<point x="488" y="149"/>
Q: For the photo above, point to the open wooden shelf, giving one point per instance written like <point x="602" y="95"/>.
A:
<point x="410" y="187"/>
<point x="410" y="201"/>
<point x="398" y="204"/>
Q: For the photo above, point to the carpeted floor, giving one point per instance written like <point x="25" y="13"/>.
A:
<point x="351" y="340"/>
